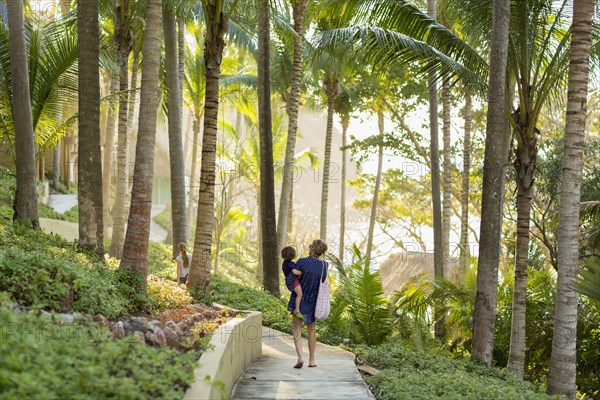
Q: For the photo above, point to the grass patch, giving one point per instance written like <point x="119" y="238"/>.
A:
<point x="164" y="218"/>
<point x="409" y="374"/>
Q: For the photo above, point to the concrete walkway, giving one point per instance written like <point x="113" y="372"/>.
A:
<point x="272" y="376"/>
<point x="62" y="203"/>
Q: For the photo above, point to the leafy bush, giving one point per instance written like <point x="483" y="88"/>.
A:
<point x="409" y="374"/>
<point x="164" y="218"/>
<point x="241" y="297"/>
<point x="166" y="294"/>
<point x="160" y="261"/>
<point x="71" y="215"/>
<point x="45" y="271"/>
<point x="44" y="360"/>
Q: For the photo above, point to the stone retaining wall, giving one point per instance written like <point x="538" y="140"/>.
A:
<point x="233" y="347"/>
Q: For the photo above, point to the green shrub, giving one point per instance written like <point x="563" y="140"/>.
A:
<point x="44" y="360"/>
<point x="164" y="294"/>
<point x="164" y="218"/>
<point x="409" y="374"/>
<point x="45" y="271"/>
<point x="241" y="297"/>
<point x="160" y="261"/>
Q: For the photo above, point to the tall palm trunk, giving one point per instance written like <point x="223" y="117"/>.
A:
<point x="299" y="10"/>
<point x="119" y="211"/>
<point x="377" y="185"/>
<point x="216" y="25"/>
<point x="26" y="208"/>
<point x="493" y="178"/>
<point x="438" y="243"/>
<point x="193" y="188"/>
<point x="447" y="177"/>
<point x="345" y="123"/>
<point x="561" y="379"/>
<point x="331" y="90"/>
<point x="176" y="158"/>
<point x="135" y="250"/>
<point x="91" y="233"/>
<point x="267" y="173"/>
<point x="108" y="150"/>
<point x="525" y="168"/>
<point x="56" y="168"/>
<point x="132" y="98"/>
<point x="465" y="253"/>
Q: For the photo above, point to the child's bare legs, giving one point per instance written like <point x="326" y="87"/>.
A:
<point x="298" y="291"/>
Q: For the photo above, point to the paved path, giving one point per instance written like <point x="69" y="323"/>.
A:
<point x="62" y="203"/>
<point x="272" y="376"/>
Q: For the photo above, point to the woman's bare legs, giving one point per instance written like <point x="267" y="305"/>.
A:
<point x="312" y="343"/>
<point x="297" y="330"/>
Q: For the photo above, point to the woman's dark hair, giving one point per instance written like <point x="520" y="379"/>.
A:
<point x="288" y="253"/>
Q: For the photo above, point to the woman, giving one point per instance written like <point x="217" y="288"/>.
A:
<point x="184" y="260"/>
<point x="313" y="269"/>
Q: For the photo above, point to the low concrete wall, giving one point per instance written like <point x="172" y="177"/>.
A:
<point x="234" y="346"/>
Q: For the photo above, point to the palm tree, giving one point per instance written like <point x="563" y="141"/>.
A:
<point x="123" y="38"/>
<point x="216" y="20"/>
<point x="447" y="176"/>
<point x="26" y="197"/>
<point x="373" y="218"/>
<point x="91" y="230"/>
<point x="465" y="255"/>
<point x="176" y="157"/>
<point x="434" y="156"/>
<point x="493" y="176"/>
<point x="561" y="378"/>
<point x="344" y="108"/>
<point x="293" y="104"/>
<point x="108" y="150"/>
<point x="267" y="179"/>
<point x="194" y="89"/>
<point x="135" y="251"/>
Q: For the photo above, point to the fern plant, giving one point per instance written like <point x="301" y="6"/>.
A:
<point x="359" y="303"/>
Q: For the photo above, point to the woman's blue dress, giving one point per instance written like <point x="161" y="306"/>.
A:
<point x="312" y="270"/>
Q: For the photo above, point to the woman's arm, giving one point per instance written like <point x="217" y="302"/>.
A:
<point x="296" y="272"/>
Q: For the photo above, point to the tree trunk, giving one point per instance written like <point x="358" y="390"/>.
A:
<point x="41" y="168"/>
<point x="465" y="253"/>
<point x="493" y="177"/>
<point x="525" y="169"/>
<point x="132" y="94"/>
<point x="376" y="191"/>
<point x="193" y="187"/>
<point x="56" y="168"/>
<point x="91" y="232"/>
<point x="332" y="90"/>
<point x="447" y="177"/>
<point x="216" y="26"/>
<point x="561" y="379"/>
<point x="26" y="209"/>
<point x="299" y="10"/>
<point x="345" y="123"/>
<point x="119" y="211"/>
<point x="108" y="146"/>
<point x="135" y="250"/>
<point x="176" y="157"/>
<point x="438" y="243"/>
<point x="267" y="174"/>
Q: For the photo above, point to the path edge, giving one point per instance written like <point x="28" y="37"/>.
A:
<point x="233" y="347"/>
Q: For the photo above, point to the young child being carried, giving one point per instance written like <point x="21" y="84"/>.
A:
<point x="291" y="276"/>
